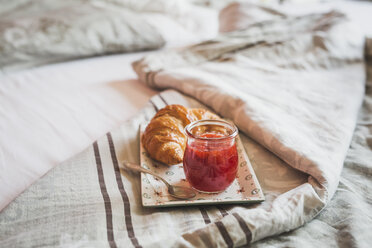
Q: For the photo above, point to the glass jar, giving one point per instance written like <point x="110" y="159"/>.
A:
<point x="211" y="159"/>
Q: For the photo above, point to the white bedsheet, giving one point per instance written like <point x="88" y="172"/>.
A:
<point x="51" y="113"/>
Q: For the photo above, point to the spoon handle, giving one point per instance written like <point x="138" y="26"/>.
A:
<point x="135" y="167"/>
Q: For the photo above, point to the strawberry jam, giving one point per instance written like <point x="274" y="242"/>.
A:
<point x="211" y="159"/>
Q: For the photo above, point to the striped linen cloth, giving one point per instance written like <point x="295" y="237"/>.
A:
<point x="88" y="202"/>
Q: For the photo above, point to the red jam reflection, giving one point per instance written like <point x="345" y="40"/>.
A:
<point x="210" y="165"/>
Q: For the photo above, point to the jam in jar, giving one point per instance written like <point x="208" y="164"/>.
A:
<point x="211" y="159"/>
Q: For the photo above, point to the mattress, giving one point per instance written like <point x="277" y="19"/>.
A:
<point x="51" y="113"/>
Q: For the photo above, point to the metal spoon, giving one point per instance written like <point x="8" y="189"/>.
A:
<point x="179" y="192"/>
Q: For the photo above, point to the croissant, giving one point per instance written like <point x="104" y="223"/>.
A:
<point x="164" y="138"/>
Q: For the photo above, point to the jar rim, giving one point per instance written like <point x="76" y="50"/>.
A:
<point x="224" y="123"/>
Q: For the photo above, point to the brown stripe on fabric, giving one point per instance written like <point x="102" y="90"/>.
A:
<point x="207" y="239"/>
<point x="161" y="97"/>
<point x="221" y="227"/>
<point x="244" y="227"/>
<point x="153" y="104"/>
<point x="106" y="198"/>
<point x="204" y="213"/>
<point x="124" y="196"/>
<point x="222" y="211"/>
<point x="147" y="77"/>
<point x="147" y="117"/>
<point x="153" y="77"/>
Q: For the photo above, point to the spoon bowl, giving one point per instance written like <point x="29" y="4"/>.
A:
<point x="181" y="192"/>
<point x="178" y="192"/>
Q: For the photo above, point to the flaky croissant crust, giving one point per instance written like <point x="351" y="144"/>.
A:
<point x="164" y="138"/>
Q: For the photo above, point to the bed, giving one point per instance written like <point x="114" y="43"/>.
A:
<point x="53" y="112"/>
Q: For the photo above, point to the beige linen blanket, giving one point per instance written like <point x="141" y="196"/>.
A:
<point x="293" y="86"/>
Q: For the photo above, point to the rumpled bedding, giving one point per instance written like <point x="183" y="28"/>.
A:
<point x="293" y="86"/>
<point x="34" y="33"/>
<point x="347" y="218"/>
